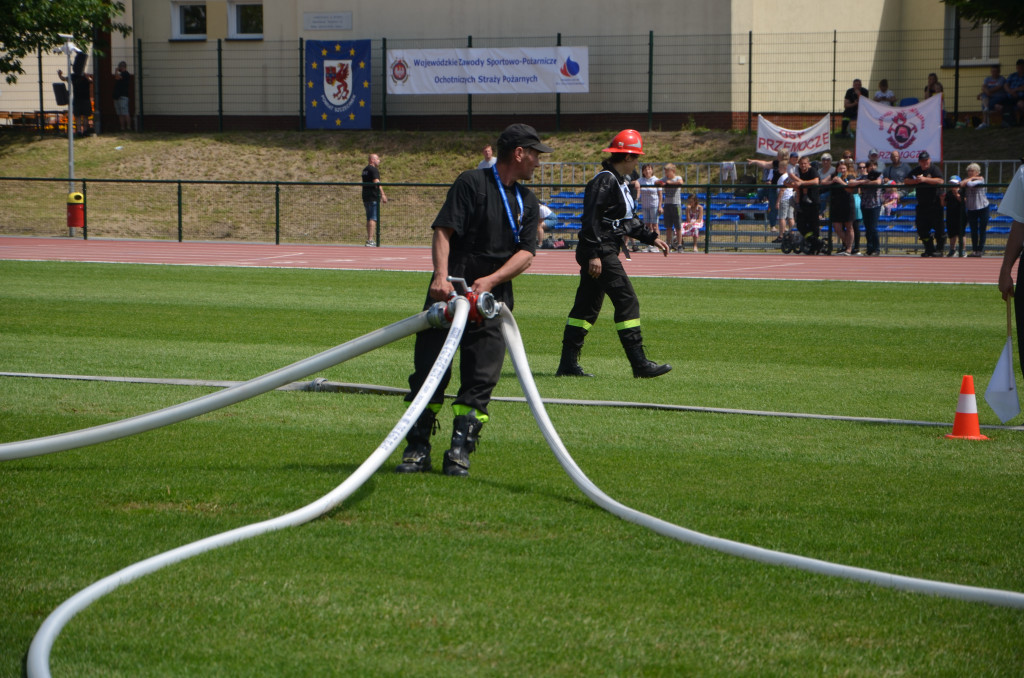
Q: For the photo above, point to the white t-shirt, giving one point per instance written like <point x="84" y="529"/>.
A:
<point x="888" y="96"/>
<point x="649" y="197"/>
<point x="787" y="191"/>
<point x="1012" y="204"/>
<point x="486" y="164"/>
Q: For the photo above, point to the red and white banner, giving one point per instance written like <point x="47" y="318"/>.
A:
<point x="771" y="138"/>
<point x="907" y="129"/>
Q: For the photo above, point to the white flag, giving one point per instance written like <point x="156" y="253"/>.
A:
<point x="1001" y="394"/>
<point x="909" y="130"/>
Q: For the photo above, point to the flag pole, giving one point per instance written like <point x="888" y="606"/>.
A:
<point x="1009" y="318"/>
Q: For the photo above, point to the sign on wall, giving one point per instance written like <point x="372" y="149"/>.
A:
<point x="337" y="84"/>
<point x="515" y="70"/>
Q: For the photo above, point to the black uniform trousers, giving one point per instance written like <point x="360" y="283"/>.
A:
<point x="481" y="355"/>
<point x="928" y="218"/>
<point x="808" y="221"/>
<point x="590" y="294"/>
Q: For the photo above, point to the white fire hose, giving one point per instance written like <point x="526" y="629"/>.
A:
<point x="38" y="660"/>
<point x="457" y="311"/>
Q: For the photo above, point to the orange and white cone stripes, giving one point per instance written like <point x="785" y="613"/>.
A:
<point x="965" y="425"/>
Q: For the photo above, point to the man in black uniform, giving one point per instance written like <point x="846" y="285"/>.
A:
<point x="807" y="217"/>
<point x="928" y="213"/>
<point x="851" y="103"/>
<point x="486" y="232"/>
<point x="608" y="217"/>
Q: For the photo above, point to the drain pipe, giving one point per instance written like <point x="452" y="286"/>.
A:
<point x="514" y="341"/>
<point x="38" y="659"/>
<point x="432" y="317"/>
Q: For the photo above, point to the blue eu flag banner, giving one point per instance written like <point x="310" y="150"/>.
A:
<point x="337" y="84"/>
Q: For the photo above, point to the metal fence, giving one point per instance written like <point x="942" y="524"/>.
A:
<point x="332" y="213"/>
<point x="722" y="81"/>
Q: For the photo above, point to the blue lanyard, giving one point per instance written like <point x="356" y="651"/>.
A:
<point x="508" y="209"/>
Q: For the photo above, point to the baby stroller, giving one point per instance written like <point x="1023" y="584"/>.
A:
<point x="794" y="242"/>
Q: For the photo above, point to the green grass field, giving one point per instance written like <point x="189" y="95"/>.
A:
<point x="511" y="572"/>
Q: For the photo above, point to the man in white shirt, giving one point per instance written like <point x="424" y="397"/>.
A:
<point x="488" y="160"/>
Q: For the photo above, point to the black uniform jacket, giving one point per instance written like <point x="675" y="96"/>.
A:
<point x="604" y="217"/>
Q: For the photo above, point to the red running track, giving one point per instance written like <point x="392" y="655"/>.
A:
<point x="555" y="262"/>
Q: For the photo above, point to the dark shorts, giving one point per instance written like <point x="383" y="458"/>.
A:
<point x="372" y="211"/>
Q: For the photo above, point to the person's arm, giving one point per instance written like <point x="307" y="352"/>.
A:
<point x="1014" y="243"/>
<point x="517" y="263"/>
<point x="383" y="198"/>
<point x="440" y="288"/>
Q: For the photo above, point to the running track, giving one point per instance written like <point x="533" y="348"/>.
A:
<point x="345" y="257"/>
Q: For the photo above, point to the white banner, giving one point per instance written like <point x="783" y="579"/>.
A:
<point x="771" y="138"/>
<point x="907" y="129"/>
<point x="516" y="70"/>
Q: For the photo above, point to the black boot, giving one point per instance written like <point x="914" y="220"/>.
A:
<point x="416" y="458"/>
<point x="465" y="432"/>
<point x="642" y="367"/>
<point x="569" y="365"/>
<point x="572" y="344"/>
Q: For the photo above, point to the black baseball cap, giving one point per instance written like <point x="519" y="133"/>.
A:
<point x="521" y="135"/>
<point x="923" y="155"/>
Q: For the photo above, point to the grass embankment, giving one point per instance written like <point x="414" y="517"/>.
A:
<point x="430" y="157"/>
<point x="511" y="571"/>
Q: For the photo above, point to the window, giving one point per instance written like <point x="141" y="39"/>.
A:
<point x="978" y="45"/>
<point x="245" y="20"/>
<point x="188" y="21"/>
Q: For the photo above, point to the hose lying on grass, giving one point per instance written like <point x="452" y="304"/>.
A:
<point x="39" y="652"/>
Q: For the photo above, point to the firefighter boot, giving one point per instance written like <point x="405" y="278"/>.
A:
<point x="642" y="367"/>
<point x="572" y="344"/>
<point x="465" y="432"/>
<point x="416" y="458"/>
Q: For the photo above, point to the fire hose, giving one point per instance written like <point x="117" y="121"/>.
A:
<point x="457" y="312"/>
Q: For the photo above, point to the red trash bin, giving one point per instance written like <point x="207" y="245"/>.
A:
<point x="76" y="210"/>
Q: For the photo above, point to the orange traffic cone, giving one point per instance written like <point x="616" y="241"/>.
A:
<point x="965" y="425"/>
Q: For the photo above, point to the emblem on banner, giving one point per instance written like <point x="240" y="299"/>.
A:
<point x="399" y="71"/>
<point x="338" y="81"/>
<point x="902" y="132"/>
<point x="570" y="68"/>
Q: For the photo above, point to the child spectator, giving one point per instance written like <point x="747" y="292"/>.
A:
<point x="694" y="219"/>
<point x="954" y="203"/>
<point x="784" y="205"/>
<point x="671" y="205"/>
<point x="650" y="200"/>
<point x="884" y="95"/>
<point x="890" y="199"/>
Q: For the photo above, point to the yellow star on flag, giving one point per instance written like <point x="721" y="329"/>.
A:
<point x="366" y="84"/>
<point x="337" y="122"/>
<point x="351" y="116"/>
<point x="352" y="51"/>
<point x="313" y="65"/>
<point x="362" y="64"/>
<point x="310" y="85"/>
<point x="313" y="103"/>
<point x="362" y="103"/>
<point x="324" y="116"/>
<point x="323" y="52"/>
